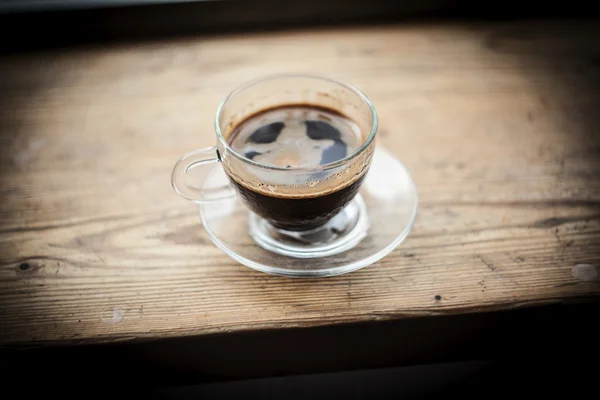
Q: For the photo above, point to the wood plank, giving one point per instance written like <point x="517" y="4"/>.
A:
<point x="497" y="123"/>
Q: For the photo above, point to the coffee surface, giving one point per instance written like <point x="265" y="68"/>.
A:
<point x="296" y="136"/>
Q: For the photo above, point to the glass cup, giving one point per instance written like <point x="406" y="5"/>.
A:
<point x="296" y="211"/>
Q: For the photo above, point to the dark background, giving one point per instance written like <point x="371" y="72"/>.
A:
<point x="532" y="352"/>
<point x="40" y="23"/>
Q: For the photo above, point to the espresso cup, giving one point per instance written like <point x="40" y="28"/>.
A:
<point x="295" y="148"/>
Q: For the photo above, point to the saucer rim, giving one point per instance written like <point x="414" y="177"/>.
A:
<point x="344" y="269"/>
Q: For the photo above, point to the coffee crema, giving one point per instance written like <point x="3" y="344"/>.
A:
<point x="292" y="137"/>
<point x="296" y="137"/>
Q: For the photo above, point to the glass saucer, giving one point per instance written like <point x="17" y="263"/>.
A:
<point x="388" y="194"/>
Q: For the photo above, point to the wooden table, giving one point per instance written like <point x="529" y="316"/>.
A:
<point x="497" y="123"/>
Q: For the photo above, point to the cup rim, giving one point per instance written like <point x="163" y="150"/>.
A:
<point x="354" y="154"/>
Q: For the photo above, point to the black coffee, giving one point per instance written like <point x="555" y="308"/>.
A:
<point x="294" y="137"/>
<point x="301" y="213"/>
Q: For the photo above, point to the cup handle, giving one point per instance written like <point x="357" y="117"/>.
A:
<point x="199" y="159"/>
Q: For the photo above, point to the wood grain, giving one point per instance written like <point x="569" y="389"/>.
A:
<point x="498" y="124"/>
